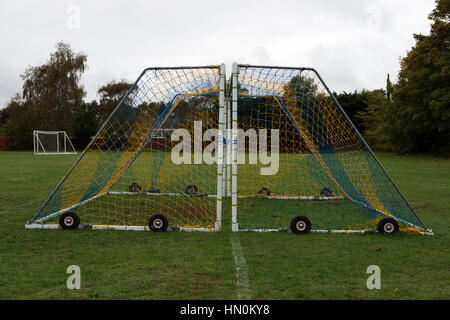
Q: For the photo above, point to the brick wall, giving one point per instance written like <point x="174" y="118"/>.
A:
<point x="4" y="141"/>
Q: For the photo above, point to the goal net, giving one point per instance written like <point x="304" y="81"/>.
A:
<point x="316" y="165"/>
<point x="270" y="145"/>
<point x="52" y="142"/>
<point x="146" y="158"/>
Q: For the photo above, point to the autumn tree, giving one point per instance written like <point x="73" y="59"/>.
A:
<point x="50" y="94"/>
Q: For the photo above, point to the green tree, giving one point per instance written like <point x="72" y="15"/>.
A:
<point x="5" y="130"/>
<point x="353" y="103"/>
<point x="420" y="116"/>
<point x="22" y="119"/>
<point x="374" y="119"/>
<point x="389" y="88"/>
<point x="85" y="120"/>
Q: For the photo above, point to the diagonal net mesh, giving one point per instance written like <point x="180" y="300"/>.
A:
<point x="127" y="174"/>
<point x="325" y="171"/>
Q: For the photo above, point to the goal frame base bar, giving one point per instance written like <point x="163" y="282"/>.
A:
<point x="114" y="227"/>
<point x="162" y="194"/>
<point x="60" y="212"/>
<point x="428" y="233"/>
<point x="53" y="153"/>
<point x="315" y="198"/>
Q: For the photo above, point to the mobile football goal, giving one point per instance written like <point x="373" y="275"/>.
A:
<point x="270" y="149"/>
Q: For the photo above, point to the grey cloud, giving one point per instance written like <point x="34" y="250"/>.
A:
<point x="352" y="43"/>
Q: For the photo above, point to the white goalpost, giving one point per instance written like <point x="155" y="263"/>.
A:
<point x="52" y="143"/>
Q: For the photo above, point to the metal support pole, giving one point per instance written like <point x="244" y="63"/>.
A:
<point x="220" y="147"/>
<point x="229" y="144"/>
<point x="234" y="82"/>
<point x="224" y="164"/>
<point x="65" y="139"/>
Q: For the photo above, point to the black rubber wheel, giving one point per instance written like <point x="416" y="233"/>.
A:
<point x="158" y="222"/>
<point x="264" y="192"/>
<point x="69" y="221"/>
<point x="191" y="189"/>
<point x="300" y="225"/>
<point x="325" y="192"/>
<point x="388" y="226"/>
<point x="134" y="187"/>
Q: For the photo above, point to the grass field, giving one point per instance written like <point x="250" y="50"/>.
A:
<point x="178" y="265"/>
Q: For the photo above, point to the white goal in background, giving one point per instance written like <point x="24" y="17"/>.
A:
<point x="52" y="142"/>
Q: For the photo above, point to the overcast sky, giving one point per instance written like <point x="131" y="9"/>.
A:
<point x="352" y="43"/>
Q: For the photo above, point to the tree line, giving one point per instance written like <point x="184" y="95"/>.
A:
<point x="410" y="115"/>
<point x="413" y="114"/>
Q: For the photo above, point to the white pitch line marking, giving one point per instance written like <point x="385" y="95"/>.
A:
<point x="242" y="281"/>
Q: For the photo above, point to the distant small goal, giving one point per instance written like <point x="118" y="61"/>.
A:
<point x="52" y="143"/>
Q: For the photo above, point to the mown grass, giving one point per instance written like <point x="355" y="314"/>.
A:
<point x="178" y="265"/>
